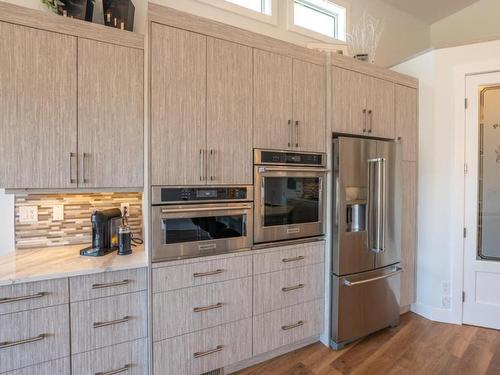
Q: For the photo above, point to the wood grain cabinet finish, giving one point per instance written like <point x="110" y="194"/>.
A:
<point x="187" y="310"/>
<point x="407" y="121"/>
<point x="381" y="106"/>
<point x="408" y="232"/>
<point x="34" y="295"/>
<point x="178" y="106"/>
<point x="275" y="290"/>
<point x="229" y="113"/>
<point x="286" y="326"/>
<point x="38" y="122"/>
<point x="107" y="284"/>
<point x="107" y="321"/>
<point x="34" y="336"/>
<point x="203" y="351"/>
<point x="309" y="106"/>
<point x="286" y="257"/>
<point x="200" y="273"/>
<point x="110" y="115"/>
<point x="130" y="358"/>
<point x="55" y="367"/>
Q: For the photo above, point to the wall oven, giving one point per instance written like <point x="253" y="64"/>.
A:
<point x="289" y="195"/>
<point x="199" y="221"/>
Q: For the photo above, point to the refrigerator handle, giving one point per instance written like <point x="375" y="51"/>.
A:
<point x="382" y="205"/>
<point x="370" y="208"/>
<point x="376" y="205"/>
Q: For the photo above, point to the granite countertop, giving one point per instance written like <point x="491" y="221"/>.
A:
<point x="64" y="261"/>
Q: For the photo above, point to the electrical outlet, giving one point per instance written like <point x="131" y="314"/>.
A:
<point x="445" y="302"/>
<point x="58" y="212"/>
<point x="445" y="288"/>
<point x="28" y="214"/>
<point x="127" y="206"/>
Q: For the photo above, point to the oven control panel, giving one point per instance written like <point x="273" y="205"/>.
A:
<point x="197" y="194"/>
<point x="289" y="158"/>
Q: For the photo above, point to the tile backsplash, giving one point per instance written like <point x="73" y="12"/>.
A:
<point x="75" y="228"/>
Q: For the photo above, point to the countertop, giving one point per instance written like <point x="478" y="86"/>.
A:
<point x="65" y="261"/>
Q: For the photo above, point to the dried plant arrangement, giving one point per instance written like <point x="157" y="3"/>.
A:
<point x="364" y="38"/>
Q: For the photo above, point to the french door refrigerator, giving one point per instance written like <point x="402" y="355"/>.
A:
<point x="365" y="277"/>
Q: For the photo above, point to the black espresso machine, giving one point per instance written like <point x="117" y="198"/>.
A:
<point x="105" y="226"/>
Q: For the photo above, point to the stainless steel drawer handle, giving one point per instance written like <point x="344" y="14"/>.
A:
<point x="290" y="288"/>
<point x="208" y="352"/>
<point x="206" y="308"/>
<point x="209" y="273"/>
<point x="292" y="326"/>
<point x="288" y="260"/>
<point x="354" y="283"/>
<point x="110" y="285"/>
<point x="203" y="209"/>
<point x="22" y="298"/>
<point x="117" y="371"/>
<point x="9" y="344"/>
<point x="113" y="322"/>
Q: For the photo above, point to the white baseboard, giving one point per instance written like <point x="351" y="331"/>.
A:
<point x="435" y="314"/>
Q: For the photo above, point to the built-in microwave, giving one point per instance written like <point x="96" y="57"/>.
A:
<point x="289" y="195"/>
<point x="200" y="221"/>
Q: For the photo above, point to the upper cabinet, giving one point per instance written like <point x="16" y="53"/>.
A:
<point x="361" y="104"/>
<point x="407" y="121"/>
<point x="71" y="111"/>
<point x="38" y="117"/>
<point x="289" y="103"/>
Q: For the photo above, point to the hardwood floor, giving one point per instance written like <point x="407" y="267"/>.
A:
<point x="416" y="346"/>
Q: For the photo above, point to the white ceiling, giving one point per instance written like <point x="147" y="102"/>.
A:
<point x="430" y="10"/>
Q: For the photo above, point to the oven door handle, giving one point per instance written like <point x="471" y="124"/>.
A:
<point x="204" y="209"/>
<point x="281" y="169"/>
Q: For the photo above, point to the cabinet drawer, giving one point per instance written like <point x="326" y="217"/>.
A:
<point x="272" y="291"/>
<point x="55" y="367"/>
<point x="194" y="274"/>
<point x="203" y="351"/>
<point x="107" y="284"/>
<point x="286" y="257"/>
<point x="28" y="296"/>
<point x="107" y="321"/>
<point x="188" y="310"/>
<point x="33" y="337"/>
<point x="130" y="357"/>
<point x="286" y="326"/>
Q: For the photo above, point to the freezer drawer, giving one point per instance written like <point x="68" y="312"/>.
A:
<point x="364" y="303"/>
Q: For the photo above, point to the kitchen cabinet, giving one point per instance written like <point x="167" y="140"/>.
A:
<point x="110" y="115"/>
<point x="362" y="105"/>
<point x="38" y="121"/>
<point x="407" y="121"/>
<point x="289" y="103"/>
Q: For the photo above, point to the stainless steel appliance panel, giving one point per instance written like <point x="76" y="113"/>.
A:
<point x="364" y="303"/>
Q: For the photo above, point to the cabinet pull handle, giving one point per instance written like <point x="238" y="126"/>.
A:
<point x="290" y="288"/>
<point x="117" y="371"/>
<point x="202" y="177"/>
<point x="206" y="308"/>
<point x="113" y="322"/>
<point x="287" y="260"/>
<point x="290" y="133"/>
<point x="9" y="344"/>
<point x="364" y="120"/>
<point x="109" y="285"/>
<point x="370" y="117"/>
<point x="209" y="273"/>
<point x="212" y="165"/>
<point x="71" y="179"/>
<point x="85" y="179"/>
<point x="208" y="352"/>
<point x="22" y="298"/>
<point x="292" y="326"/>
<point x="296" y="134"/>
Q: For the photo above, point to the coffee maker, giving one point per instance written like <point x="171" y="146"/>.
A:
<point x="105" y="226"/>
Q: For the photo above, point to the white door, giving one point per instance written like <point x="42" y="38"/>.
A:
<point x="482" y="202"/>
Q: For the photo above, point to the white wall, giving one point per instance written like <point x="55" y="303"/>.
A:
<point x="441" y="157"/>
<point x="6" y="223"/>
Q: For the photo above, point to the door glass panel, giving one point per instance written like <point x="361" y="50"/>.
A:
<point x="203" y="228"/>
<point x="291" y="200"/>
<point x="489" y="174"/>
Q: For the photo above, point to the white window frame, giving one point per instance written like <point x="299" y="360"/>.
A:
<point x="241" y="10"/>
<point x="291" y="26"/>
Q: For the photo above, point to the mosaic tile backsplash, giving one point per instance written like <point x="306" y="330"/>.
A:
<point x="76" y="227"/>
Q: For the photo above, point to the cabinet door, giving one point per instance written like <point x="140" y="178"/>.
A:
<point x="349" y="90"/>
<point x="229" y="112"/>
<point x="408" y="231"/>
<point x="309" y="102"/>
<point x="110" y="115"/>
<point x="406" y="121"/>
<point x="38" y="108"/>
<point x="381" y="108"/>
<point x="272" y="100"/>
<point x="178" y="106"/>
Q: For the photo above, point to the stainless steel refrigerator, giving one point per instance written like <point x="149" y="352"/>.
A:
<point x="365" y="277"/>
